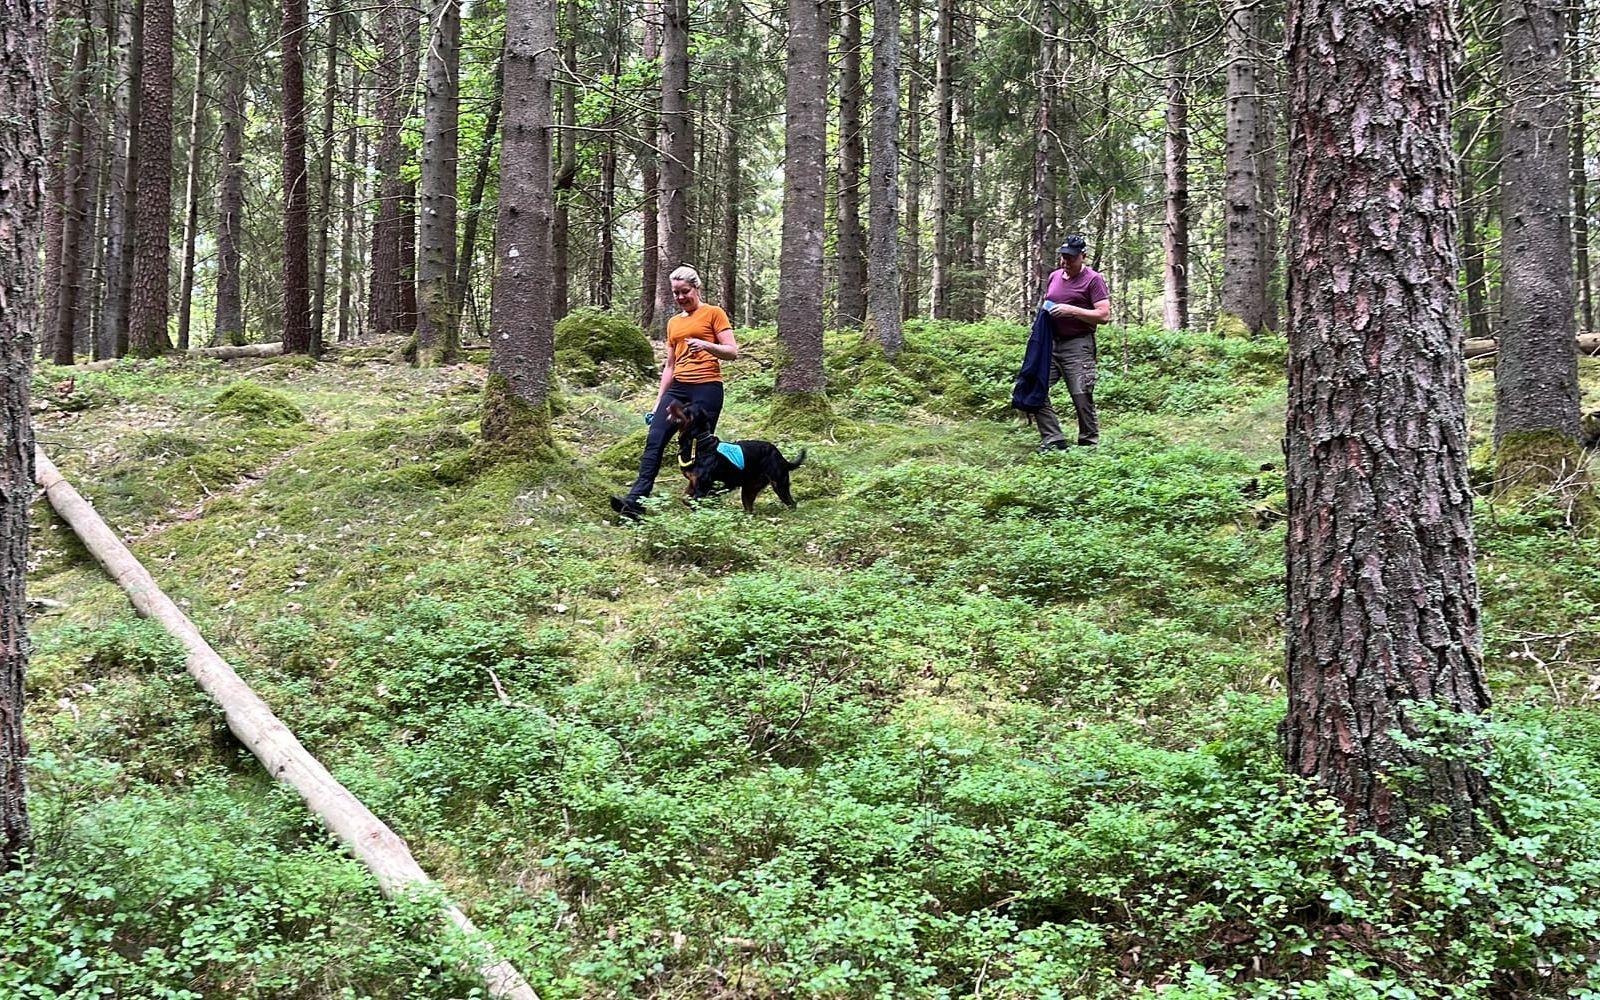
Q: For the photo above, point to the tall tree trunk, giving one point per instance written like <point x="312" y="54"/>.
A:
<point x="522" y="335"/>
<point x="90" y="282"/>
<point x="408" y="190"/>
<point x="650" y="181"/>
<point x="324" y="224"/>
<point x="296" y="209"/>
<point x="121" y="292"/>
<point x="348" y="268"/>
<point x="438" y="324"/>
<point x="912" y="291"/>
<point x="728" y="272"/>
<point x="118" y="182"/>
<point x="384" y="305"/>
<point x="1472" y="251"/>
<point x="230" y="208"/>
<point x="58" y="115"/>
<point x="191" y="196"/>
<point x="567" y="172"/>
<point x="1175" y="239"/>
<point x="1043" y="209"/>
<point x="68" y="280"/>
<point x="1244" y="278"/>
<point x="23" y="85"/>
<point x="147" y="308"/>
<point x="677" y="144"/>
<point x="480" y="179"/>
<point x="1580" y="169"/>
<point x="1267" y="54"/>
<point x="1382" y="596"/>
<point x="942" y="187"/>
<point x="606" y="279"/>
<point x="850" y="245"/>
<point x="883" y="265"/>
<point x="1536" y="372"/>
<point x="800" y="273"/>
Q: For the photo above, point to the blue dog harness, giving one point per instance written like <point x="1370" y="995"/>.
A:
<point x="732" y="453"/>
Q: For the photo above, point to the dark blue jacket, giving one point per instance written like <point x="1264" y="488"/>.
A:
<point x="1032" y="389"/>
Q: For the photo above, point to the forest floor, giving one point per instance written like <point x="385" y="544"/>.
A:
<point x="970" y="721"/>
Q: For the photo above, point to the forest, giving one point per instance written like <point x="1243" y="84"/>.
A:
<point x="338" y="659"/>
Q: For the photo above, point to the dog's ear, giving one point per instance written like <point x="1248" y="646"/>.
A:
<point x="675" y="415"/>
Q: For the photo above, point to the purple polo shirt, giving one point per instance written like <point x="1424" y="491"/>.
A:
<point x="1083" y="291"/>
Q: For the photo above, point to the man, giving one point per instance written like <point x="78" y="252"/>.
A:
<point x="1078" y="301"/>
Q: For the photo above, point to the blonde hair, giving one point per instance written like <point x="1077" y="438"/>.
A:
<point x="684" y="272"/>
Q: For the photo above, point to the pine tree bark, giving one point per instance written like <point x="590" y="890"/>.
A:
<point x="1580" y="169"/>
<point x="324" y="224"/>
<point x="1383" y="612"/>
<point x="1042" y="212"/>
<point x="1244" y="278"/>
<point x="732" y="162"/>
<point x="408" y="190"/>
<point x="1472" y="252"/>
<point x="438" y="324"/>
<point x="230" y="210"/>
<point x="800" y="271"/>
<point x="912" y="291"/>
<point x="605" y="280"/>
<point x="148" y="307"/>
<point x="480" y="180"/>
<point x="119" y="185"/>
<point x="23" y="86"/>
<point x="296" y="206"/>
<point x="883" y="265"/>
<point x="1267" y="145"/>
<point x="191" y="190"/>
<point x="348" y="266"/>
<point x="384" y="304"/>
<point x="1175" y="238"/>
<point x="650" y="181"/>
<point x="1536" y="371"/>
<point x="850" y="246"/>
<point x="567" y="172"/>
<point x="91" y="197"/>
<point x="68" y="279"/>
<point x="677" y="144"/>
<point x="942" y="186"/>
<point x="522" y="334"/>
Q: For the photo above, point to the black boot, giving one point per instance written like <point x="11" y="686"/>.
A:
<point x="629" y="507"/>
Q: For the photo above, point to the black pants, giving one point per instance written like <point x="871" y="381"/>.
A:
<point x="704" y="396"/>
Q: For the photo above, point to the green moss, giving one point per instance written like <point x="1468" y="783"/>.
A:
<point x="1229" y="325"/>
<point x="1536" y="460"/>
<point x="603" y="340"/>
<point x="623" y="455"/>
<point x="256" y="405"/>
<point x="800" y="414"/>
<point x="511" y="427"/>
<point x="293" y="362"/>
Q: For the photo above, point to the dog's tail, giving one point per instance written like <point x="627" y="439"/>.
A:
<point x="799" y="460"/>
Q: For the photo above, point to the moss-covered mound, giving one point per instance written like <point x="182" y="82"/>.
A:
<point x="257" y="405"/>
<point x="590" y="343"/>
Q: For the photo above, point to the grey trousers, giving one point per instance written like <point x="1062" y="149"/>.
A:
<point x="1072" y="360"/>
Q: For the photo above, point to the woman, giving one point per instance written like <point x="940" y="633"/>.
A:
<point x="699" y="339"/>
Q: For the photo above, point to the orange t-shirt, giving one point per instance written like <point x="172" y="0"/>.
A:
<point x="702" y="324"/>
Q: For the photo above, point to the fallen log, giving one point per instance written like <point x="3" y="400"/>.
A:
<point x="1482" y="347"/>
<point x="253" y="722"/>
<point x="239" y="351"/>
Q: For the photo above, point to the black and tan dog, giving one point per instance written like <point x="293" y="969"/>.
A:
<point x="709" y="462"/>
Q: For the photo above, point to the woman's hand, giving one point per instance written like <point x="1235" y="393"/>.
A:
<point x="696" y="345"/>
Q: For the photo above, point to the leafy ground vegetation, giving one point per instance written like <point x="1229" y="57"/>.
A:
<point x="970" y="722"/>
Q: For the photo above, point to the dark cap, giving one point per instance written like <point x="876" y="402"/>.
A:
<point x="1074" y="246"/>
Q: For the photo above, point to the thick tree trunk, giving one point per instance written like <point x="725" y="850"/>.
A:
<point x="1536" y="373"/>
<point x="1244" y="275"/>
<point x="121" y="292"/>
<point x="296" y="208"/>
<point x="1580" y="168"/>
<point x="1043" y="211"/>
<point x="230" y="209"/>
<point x="408" y="191"/>
<point x="883" y="264"/>
<point x="1383" y="612"/>
<point x="191" y="190"/>
<point x="90" y="281"/>
<point x="438" y="324"/>
<point x="1175" y="238"/>
<point x="147" y="308"/>
<point x="650" y="181"/>
<point x="849" y="245"/>
<point x="384" y="304"/>
<point x="522" y="330"/>
<point x="567" y="170"/>
<point x="324" y="223"/>
<point x="943" y="202"/>
<point x="23" y="86"/>
<point x="677" y="144"/>
<point x="800" y="273"/>
<point x="912" y="291"/>
<point x="348" y="266"/>
<point x="480" y="179"/>
<point x="68" y="278"/>
<point x="118" y="183"/>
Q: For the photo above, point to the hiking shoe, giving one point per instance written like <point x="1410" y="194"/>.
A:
<point x="1050" y="446"/>
<point x="629" y="507"/>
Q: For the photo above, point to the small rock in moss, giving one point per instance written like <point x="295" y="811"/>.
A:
<point x="256" y="405"/>
<point x="603" y="337"/>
